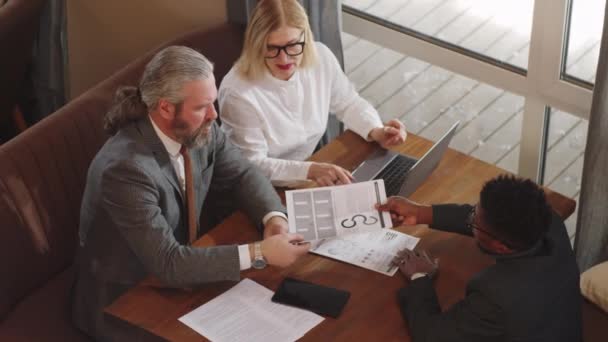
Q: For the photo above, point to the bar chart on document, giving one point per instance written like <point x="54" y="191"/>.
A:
<point x="326" y="212"/>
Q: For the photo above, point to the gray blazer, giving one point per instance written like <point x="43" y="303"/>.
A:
<point x="133" y="222"/>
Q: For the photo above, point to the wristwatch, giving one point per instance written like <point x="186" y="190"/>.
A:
<point x="259" y="262"/>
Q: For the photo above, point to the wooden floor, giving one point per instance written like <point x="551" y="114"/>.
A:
<point x="428" y="99"/>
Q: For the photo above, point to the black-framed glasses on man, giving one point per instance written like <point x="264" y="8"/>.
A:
<point x="472" y="225"/>
<point x="293" y="49"/>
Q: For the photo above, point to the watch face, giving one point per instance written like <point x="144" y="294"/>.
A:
<point x="258" y="263"/>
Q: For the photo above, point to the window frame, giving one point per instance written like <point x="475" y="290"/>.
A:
<point x="544" y="85"/>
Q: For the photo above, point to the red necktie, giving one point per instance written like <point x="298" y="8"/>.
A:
<point x="190" y="202"/>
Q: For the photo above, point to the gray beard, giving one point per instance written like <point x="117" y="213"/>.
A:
<point x="197" y="139"/>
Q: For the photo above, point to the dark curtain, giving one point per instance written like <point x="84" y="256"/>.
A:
<point x="32" y="45"/>
<point x="19" y="27"/>
<point x="49" y="59"/>
<point x="591" y="243"/>
<point x="326" y="23"/>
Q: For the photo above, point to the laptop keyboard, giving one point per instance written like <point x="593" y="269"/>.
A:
<point x="394" y="174"/>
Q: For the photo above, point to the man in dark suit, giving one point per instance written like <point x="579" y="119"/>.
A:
<point x="532" y="292"/>
<point x="146" y="186"/>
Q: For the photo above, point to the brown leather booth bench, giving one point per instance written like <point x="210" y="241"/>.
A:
<point x="42" y="178"/>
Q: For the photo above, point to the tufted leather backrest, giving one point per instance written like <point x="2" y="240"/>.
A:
<point x="43" y="173"/>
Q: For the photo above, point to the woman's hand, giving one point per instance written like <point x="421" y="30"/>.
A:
<point x="325" y="174"/>
<point x="393" y="133"/>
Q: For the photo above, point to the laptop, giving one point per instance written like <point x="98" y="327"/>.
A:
<point x="403" y="174"/>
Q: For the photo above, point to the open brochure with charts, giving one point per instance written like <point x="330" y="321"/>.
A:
<point x="373" y="251"/>
<point x="342" y="224"/>
<point x="321" y="213"/>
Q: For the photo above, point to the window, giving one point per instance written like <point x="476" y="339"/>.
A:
<point x="564" y="158"/>
<point x="495" y="65"/>
<point x="429" y="99"/>
<point x="498" y="31"/>
<point x="420" y="60"/>
<point x="585" y="33"/>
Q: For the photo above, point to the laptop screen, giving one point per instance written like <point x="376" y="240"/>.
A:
<point x="425" y="165"/>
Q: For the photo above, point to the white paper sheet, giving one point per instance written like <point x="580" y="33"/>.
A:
<point x="373" y="251"/>
<point x="246" y="313"/>
<point x="321" y="213"/>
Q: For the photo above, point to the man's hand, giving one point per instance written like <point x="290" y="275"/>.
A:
<point x="412" y="262"/>
<point x="393" y="133"/>
<point x="283" y="249"/>
<point x="406" y="212"/>
<point x="275" y="225"/>
<point x="325" y="174"/>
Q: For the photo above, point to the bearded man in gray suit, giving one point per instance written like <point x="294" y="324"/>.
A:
<point x="136" y="218"/>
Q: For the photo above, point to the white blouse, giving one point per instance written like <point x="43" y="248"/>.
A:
<point x="277" y="124"/>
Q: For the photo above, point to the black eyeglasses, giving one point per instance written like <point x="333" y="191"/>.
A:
<point x="293" y="49"/>
<point x="473" y="226"/>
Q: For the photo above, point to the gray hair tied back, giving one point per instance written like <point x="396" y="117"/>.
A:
<point x="128" y="107"/>
<point x="163" y="78"/>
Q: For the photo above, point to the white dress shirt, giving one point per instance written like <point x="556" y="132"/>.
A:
<point x="277" y="124"/>
<point x="177" y="160"/>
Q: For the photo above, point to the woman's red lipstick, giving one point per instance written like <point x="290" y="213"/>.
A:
<point x="284" y="66"/>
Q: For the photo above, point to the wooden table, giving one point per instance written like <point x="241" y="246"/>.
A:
<point x="372" y="313"/>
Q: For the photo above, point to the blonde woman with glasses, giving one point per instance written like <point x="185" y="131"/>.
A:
<point x="275" y="102"/>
